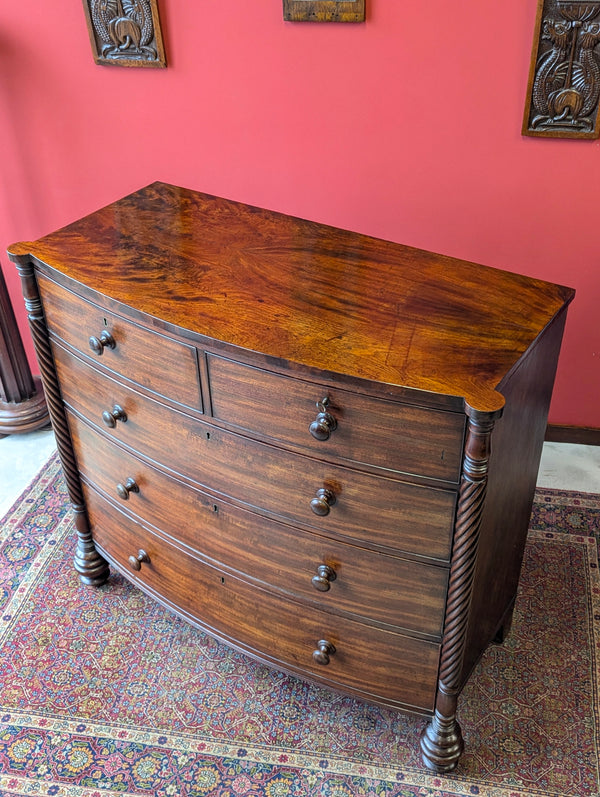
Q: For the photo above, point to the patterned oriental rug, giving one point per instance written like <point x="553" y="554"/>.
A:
<point x="103" y="693"/>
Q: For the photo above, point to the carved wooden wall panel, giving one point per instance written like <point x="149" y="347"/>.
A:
<point x="125" y="32"/>
<point x="564" y="80"/>
<point x="324" y="10"/>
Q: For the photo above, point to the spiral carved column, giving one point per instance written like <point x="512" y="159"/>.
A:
<point x="441" y="741"/>
<point x="92" y="568"/>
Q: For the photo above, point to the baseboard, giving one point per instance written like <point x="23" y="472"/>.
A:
<point x="581" y="435"/>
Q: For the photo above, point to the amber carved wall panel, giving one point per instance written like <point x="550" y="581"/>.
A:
<point x="564" y="80"/>
<point x="324" y="10"/>
<point x="125" y="32"/>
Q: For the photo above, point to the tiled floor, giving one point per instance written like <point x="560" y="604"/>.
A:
<point x="570" y="467"/>
<point x="564" y="466"/>
<point x="21" y="457"/>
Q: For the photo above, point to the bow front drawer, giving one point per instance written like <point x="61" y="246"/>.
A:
<point x="153" y="360"/>
<point x="336" y="423"/>
<point x="397" y="668"/>
<point x="341" y="577"/>
<point x="329" y="498"/>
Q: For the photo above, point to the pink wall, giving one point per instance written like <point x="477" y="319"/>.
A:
<point x="406" y="127"/>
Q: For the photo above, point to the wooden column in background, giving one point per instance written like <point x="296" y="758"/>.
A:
<point x="22" y="403"/>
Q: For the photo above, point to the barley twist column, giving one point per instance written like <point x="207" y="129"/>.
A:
<point x="92" y="568"/>
<point x="441" y="741"/>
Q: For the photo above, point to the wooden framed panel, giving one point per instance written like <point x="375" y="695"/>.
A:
<point x="563" y="94"/>
<point x="125" y="32"/>
<point x="324" y="10"/>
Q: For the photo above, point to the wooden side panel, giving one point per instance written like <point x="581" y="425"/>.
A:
<point x="517" y="443"/>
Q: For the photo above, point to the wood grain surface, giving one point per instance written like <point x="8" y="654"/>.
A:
<point x="307" y="293"/>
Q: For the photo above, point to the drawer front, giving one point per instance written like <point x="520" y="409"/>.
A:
<point x="157" y="362"/>
<point x="399" y="670"/>
<point x="374" y="510"/>
<point x="365" y="583"/>
<point x="382" y="433"/>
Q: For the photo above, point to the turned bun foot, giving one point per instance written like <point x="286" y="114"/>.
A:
<point x="93" y="569"/>
<point x="441" y="744"/>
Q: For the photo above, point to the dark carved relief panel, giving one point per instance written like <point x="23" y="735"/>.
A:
<point x="125" y="32"/>
<point x="564" y="79"/>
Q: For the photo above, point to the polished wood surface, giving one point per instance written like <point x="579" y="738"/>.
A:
<point x="284" y="631"/>
<point x="304" y="293"/>
<point x="359" y="428"/>
<point x="319" y="447"/>
<point x="394" y="591"/>
<point x="262" y="476"/>
<point x="154" y="361"/>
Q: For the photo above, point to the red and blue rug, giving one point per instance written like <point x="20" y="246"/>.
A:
<point x="104" y="693"/>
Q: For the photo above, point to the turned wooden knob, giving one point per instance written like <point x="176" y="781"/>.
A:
<point x="130" y="486"/>
<point x="324" y="424"/>
<point x="323" y="501"/>
<point x="325" y="575"/>
<point x="97" y="344"/>
<point x="136" y="561"/>
<point x="111" y="417"/>
<point x="324" y="650"/>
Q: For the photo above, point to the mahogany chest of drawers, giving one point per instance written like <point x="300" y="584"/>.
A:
<point x="320" y="447"/>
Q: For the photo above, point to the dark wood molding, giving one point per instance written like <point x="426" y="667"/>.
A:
<point x="581" y="435"/>
<point x="22" y="403"/>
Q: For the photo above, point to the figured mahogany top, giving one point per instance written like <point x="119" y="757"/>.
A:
<point x="307" y="293"/>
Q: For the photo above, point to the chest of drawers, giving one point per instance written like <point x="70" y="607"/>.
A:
<point x="317" y="446"/>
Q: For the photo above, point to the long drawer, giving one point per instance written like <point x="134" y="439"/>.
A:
<point x="399" y="670"/>
<point x="366" y="430"/>
<point x="155" y="361"/>
<point x="398" y="516"/>
<point x="358" y="581"/>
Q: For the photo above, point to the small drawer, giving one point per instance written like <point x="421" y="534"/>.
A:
<point x="343" y="578"/>
<point x="367" y="430"/>
<point x="400" y="671"/>
<point x="373" y="510"/>
<point x="155" y="361"/>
